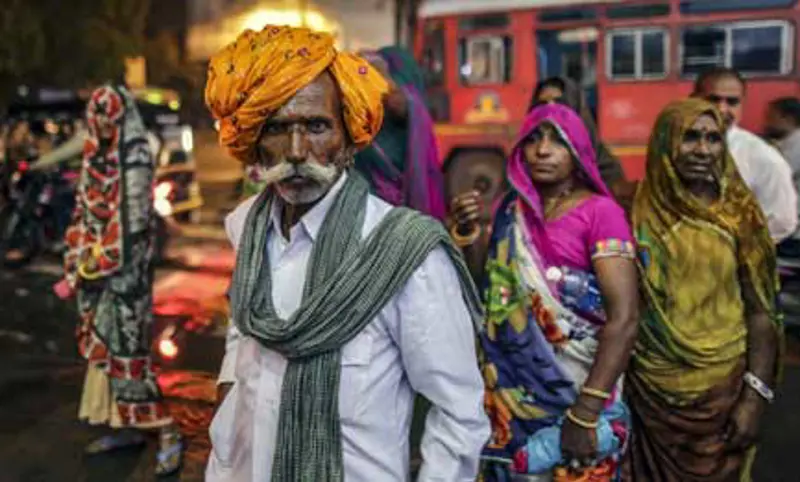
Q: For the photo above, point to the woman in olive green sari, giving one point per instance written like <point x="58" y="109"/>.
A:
<point x="705" y="361"/>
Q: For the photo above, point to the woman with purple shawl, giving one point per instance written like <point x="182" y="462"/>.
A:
<point x="402" y="163"/>
<point x="561" y="298"/>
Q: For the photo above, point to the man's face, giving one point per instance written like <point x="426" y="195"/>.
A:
<point x="777" y="126"/>
<point x="304" y="145"/>
<point x="727" y="95"/>
<point x="700" y="151"/>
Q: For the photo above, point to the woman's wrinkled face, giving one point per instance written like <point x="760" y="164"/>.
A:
<point x="549" y="158"/>
<point x="550" y="94"/>
<point x="701" y="149"/>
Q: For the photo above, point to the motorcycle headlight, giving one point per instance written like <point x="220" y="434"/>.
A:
<point x="187" y="139"/>
<point x="161" y="198"/>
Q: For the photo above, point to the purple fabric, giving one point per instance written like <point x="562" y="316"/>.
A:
<point x="422" y="178"/>
<point x="571" y="125"/>
<point x="417" y="180"/>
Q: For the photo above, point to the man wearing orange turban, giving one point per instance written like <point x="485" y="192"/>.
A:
<point x="342" y="305"/>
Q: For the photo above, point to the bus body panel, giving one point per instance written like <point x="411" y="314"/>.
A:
<point x="487" y="117"/>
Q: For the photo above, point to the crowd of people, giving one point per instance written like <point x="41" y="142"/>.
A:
<point x="596" y="330"/>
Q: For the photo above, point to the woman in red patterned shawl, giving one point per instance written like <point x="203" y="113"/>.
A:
<point x="108" y="266"/>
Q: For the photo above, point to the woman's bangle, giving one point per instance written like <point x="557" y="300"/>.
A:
<point x="579" y="421"/>
<point x="464" y="241"/>
<point x="593" y="392"/>
<point x="759" y="386"/>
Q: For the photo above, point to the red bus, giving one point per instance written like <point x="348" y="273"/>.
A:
<point x="484" y="57"/>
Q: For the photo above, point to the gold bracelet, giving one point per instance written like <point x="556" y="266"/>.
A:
<point x="593" y="392"/>
<point x="464" y="241"/>
<point x="579" y="421"/>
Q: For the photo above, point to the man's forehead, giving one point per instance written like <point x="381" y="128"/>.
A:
<point x="726" y="83"/>
<point x="319" y="98"/>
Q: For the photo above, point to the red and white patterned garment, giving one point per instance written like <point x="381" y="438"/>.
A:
<point x="109" y="252"/>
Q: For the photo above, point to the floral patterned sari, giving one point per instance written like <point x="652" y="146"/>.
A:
<point x="544" y="314"/>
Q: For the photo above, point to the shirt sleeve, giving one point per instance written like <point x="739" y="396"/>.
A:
<point x="227" y="373"/>
<point x="609" y="232"/>
<point x="437" y="342"/>
<point x="775" y="191"/>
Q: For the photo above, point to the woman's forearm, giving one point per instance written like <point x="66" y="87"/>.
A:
<point x="619" y="285"/>
<point x="762" y="336"/>
<point x="762" y="347"/>
<point x="613" y="353"/>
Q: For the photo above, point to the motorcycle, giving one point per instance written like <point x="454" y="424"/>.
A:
<point x="36" y="212"/>
<point x="39" y="206"/>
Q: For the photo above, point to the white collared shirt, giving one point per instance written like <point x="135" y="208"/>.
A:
<point x="422" y="341"/>
<point x="790" y="148"/>
<point x="769" y="176"/>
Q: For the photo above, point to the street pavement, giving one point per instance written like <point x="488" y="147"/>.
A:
<point x="41" y="375"/>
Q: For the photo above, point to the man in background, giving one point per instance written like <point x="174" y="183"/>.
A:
<point x="783" y="127"/>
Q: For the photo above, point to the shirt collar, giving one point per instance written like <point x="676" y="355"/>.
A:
<point x="312" y="220"/>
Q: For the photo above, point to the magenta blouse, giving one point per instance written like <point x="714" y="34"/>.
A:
<point x="596" y="227"/>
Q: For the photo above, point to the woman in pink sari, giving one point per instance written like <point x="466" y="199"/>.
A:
<point x="561" y="297"/>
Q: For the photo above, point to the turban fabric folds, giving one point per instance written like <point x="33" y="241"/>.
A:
<point x="250" y="79"/>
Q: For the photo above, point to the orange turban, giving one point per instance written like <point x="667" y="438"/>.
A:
<point x="250" y="79"/>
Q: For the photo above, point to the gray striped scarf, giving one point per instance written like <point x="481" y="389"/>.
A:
<point x="349" y="282"/>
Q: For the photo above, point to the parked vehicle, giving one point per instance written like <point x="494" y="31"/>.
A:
<point x="177" y="197"/>
<point x="631" y="57"/>
<point x="38" y="210"/>
<point x="36" y="213"/>
<point x="171" y="138"/>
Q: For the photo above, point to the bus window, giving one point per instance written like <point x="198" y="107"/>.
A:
<point x="485" y="60"/>
<point x="623" y="55"/>
<point x="752" y="48"/>
<point x="433" y="54"/>
<point x="636" y="54"/>
<point x="759" y="49"/>
<point x="708" y="6"/>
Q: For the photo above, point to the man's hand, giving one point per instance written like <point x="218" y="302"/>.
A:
<point x="743" y="427"/>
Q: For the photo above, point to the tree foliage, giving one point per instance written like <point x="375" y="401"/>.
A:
<point x="71" y="43"/>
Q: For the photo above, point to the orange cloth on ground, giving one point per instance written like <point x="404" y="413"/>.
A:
<point x="250" y="79"/>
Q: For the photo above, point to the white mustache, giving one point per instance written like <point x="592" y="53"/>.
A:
<point x="323" y="175"/>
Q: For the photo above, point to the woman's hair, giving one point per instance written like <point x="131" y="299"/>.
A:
<point x="569" y="96"/>
<point x="556" y="82"/>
